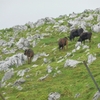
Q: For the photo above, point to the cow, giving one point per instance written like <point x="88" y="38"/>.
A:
<point x="75" y="33"/>
<point x="62" y="42"/>
<point x="84" y="36"/>
<point x="29" y="53"/>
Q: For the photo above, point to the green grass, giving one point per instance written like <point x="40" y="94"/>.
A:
<point x="68" y="83"/>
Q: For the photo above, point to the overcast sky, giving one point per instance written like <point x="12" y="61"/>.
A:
<point x="19" y="12"/>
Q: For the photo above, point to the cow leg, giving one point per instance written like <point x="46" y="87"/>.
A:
<point x="59" y="47"/>
<point x="28" y="60"/>
<point x="90" y="42"/>
<point x="66" y="44"/>
<point x="84" y="41"/>
<point x="73" y="38"/>
<point x="62" y="47"/>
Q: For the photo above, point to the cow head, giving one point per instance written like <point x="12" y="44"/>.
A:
<point x="25" y="52"/>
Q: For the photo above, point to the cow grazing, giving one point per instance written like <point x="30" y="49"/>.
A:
<point x="62" y="42"/>
<point x="84" y="36"/>
<point x="75" y="33"/>
<point x="29" y="53"/>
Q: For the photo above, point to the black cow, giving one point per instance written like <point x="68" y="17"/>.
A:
<point x="84" y="36"/>
<point x="62" y="42"/>
<point x="29" y="53"/>
<point x="75" y="33"/>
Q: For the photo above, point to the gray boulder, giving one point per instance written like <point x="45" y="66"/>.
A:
<point x="71" y="63"/>
<point x="96" y="96"/>
<point x="54" y="96"/>
<point x="8" y="75"/>
<point x="91" y="58"/>
<point x="22" y="43"/>
<point x="96" y="28"/>
<point x="98" y="45"/>
<point x="15" y="60"/>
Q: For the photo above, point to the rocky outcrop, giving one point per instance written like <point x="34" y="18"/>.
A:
<point x="15" y="60"/>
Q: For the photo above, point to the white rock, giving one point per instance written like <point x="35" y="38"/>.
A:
<point x="71" y="63"/>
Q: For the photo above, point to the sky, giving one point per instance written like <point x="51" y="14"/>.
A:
<point x="20" y="12"/>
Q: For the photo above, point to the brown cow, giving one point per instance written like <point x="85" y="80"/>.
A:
<point x="62" y="42"/>
<point x="29" y="53"/>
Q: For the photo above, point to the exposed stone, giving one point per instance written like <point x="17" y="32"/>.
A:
<point x="71" y="63"/>
<point x="15" y="60"/>
<point x="96" y="96"/>
<point x="22" y="72"/>
<point x="98" y="45"/>
<point x="54" y="96"/>
<point x="91" y="58"/>
<point x="8" y="75"/>
<point x="96" y="27"/>
<point x="44" y="77"/>
<point x="49" y="69"/>
<point x="18" y="82"/>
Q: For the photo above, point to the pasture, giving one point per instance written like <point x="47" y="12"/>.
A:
<point x="70" y="82"/>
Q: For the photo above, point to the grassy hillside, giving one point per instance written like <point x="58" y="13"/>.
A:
<point x="68" y="82"/>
